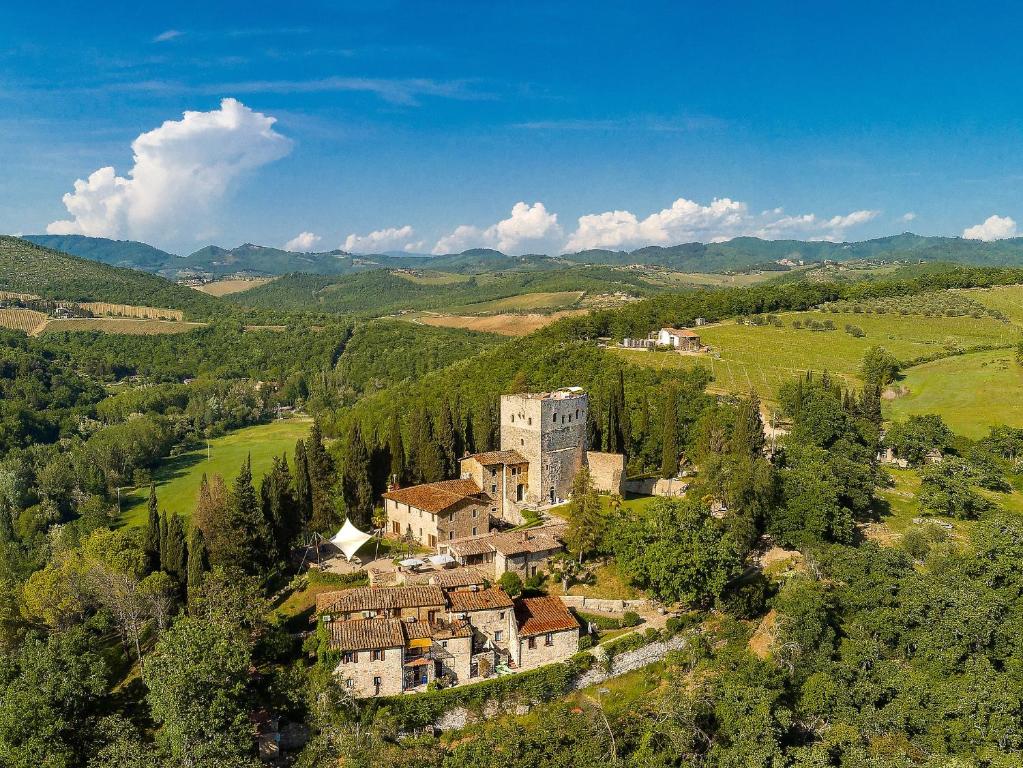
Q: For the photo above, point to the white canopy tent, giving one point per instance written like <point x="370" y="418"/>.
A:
<point x="411" y="562"/>
<point x="349" y="539"/>
<point x="439" y="560"/>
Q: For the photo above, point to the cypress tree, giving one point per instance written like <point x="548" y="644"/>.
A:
<point x="396" y="449"/>
<point x="321" y="481"/>
<point x="669" y="435"/>
<point x="469" y="436"/>
<point x="250" y="544"/>
<point x="356" y="486"/>
<point x="303" y="491"/>
<point x="445" y="440"/>
<point x="177" y="554"/>
<point x="163" y="540"/>
<point x="280" y="508"/>
<point x="426" y="458"/>
<point x="624" y="421"/>
<point x="748" y="432"/>
<point x="198" y="558"/>
<point x="613" y="429"/>
<point x="151" y="539"/>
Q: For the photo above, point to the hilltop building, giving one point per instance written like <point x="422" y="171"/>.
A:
<point x="390" y="640"/>
<point x="682" y="339"/>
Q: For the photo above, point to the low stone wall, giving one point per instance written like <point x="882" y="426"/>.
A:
<point x="601" y="605"/>
<point x="460" y="717"/>
<point x="653" y="486"/>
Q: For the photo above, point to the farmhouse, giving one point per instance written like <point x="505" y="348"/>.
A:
<point x="527" y="552"/>
<point x="437" y="512"/>
<point x="679" y="338"/>
<point x="503" y="476"/>
<point x="397" y="639"/>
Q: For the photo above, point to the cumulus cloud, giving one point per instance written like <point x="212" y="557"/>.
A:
<point x="993" y="228"/>
<point x="303" y="242"/>
<point x="908" y="216"/>
<point x="181" y="171"/>
<point x="526" y="224"/>
<point x="688" y="221"/>
<point x="390" y="239"/>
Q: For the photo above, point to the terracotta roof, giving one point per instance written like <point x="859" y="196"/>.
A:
<point x="365" y="634"/>
<point x="439" y="630"/>
<point x="682" y="332"/>
<point x="529" y="540"/>
<point x="436" y="497"/>
<point x="470" y="546"/>
<point x="540" y="615"/>
<point x="378" y="598"/>
<point x="488" y="458"/>
<point x="466" y="601"/>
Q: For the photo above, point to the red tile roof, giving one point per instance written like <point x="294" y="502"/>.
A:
<point x="467" y="601"/>
<point x="488" y="458"/>
<point x="379" y="598"/>
<point x="437" y="497"/>
<point x="540" y="615"/>
<point x="684" y="332"/>
<point x="365" y="634"/>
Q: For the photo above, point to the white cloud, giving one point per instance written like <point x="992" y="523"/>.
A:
<point x="993" y="228"/>
<point x="526" y="224"/>
<point x="169" y="34"/>
<point x="688" y="221"/>
<point x="908" y="216"/>
<point x="303" y="242"/>
<point x="181" y="171"/>
<point x="390" y="239"/>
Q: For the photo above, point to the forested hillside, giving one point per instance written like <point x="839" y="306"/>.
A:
<point x="29" y="268"/>
<point x="118" y="253"/>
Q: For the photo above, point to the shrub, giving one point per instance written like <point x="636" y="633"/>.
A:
<point x="585" y="642"/>
<point x="511" y="583"/>
<point x="631" y="619"/>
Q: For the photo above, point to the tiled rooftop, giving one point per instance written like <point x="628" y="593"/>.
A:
<point x="379" y="598"/>
<point x="540" y="615"/>
<point x="436" y="497"/>
<point x="467" y="601"/>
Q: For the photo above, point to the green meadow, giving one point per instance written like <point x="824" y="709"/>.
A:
<point x="178" y="478"/>
<point x="970" y="392"/>
<point x="745" y="357"/>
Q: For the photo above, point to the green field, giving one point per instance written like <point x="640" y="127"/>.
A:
<point x="745" y="358"/>
<point x="178" y="478"/>
<point x="970" y="392"/>
<point x="1006" y="298"/>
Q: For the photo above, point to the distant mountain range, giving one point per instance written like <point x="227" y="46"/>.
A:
<point x="738" y="254"/>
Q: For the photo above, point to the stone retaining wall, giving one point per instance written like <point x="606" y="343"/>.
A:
<point x="600" y="605"/>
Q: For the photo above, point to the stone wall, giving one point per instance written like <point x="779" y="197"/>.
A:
<point x="359" y="674"/>
<point x="601" y="605"/>
<point x="563" y="645"/>
<point x="607" y="470"/>
<point x="657" y="486"/>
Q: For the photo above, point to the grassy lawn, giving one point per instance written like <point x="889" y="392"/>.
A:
<point x="970" y="392"/>
<point x="1007" y="298"/>
<point x="763" y="357"/>
<point x="178" y="478"/>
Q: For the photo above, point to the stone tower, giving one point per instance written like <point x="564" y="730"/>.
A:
<point x="549" y="430"/>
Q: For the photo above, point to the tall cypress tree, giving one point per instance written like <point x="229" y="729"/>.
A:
<point x="177" y="553"/>
<point x="303" y="489"/>
<point x="151" y="539"/>
<point x="356" y="486"/>
<point x="396" y="449"/>
<point x="163" y="540"/>
<point x="280" y="508"/>
<point x="198" y="558"/>
<point x="445" y="439"/>
<point x="669" y="435"/>
<point x="426" y="458"/>
<point x="613" y="429"/>
<point x="624" y="420"/>
<point x="748" y="432"/>
<point x="250" y="544"/>
<point x="321" y="481"/>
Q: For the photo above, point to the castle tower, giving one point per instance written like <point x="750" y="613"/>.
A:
<point x="549" y="430"/>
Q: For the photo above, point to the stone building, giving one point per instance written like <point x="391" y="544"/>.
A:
<point x="504" y="477"/>
<point x="436" y="512"/>
<point x="546" y="630"/>
<point x="526" y="552"/>
<point x="549" y="430"/>
<point x="394" y="640"/>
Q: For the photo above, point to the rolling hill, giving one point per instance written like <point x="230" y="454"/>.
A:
<point x="30" y="268"/>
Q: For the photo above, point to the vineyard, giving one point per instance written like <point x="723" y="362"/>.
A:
<point x="105" y="309"/>
<point x="118" y="325"/>
<point x="26" y="320"/>
<point x="760" y="357"/>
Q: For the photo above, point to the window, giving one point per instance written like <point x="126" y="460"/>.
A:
<point x="474" y="531"/>
<point x="570" y="418"/>
<point x="493" y="487"/>
<point x="548" y="639"/>
<point x="443" y="643"/>
<point x="522" y="441"/>
<point x="520" y="492"/>
<point x="378" y="655"/>
<point x="475" y="513"/>
<point x="530" y="421"/>
<point x="554" y="418"/>
<point x="498" y="636"/>
<point x="349" y="683"/>
<point x="513" y="418"/>
<point x="376" y="684"/>
<point x="348" y="657"/>
<point x="531" y="643"/>
<point x="577" y="413"/>
<point x="562" y="419"/>
<point x="431" y="616"/>
<point x="451" y="535"/>
<point x="501" y="615"/>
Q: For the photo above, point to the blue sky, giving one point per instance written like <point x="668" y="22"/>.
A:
<point x="443" y="125"/>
